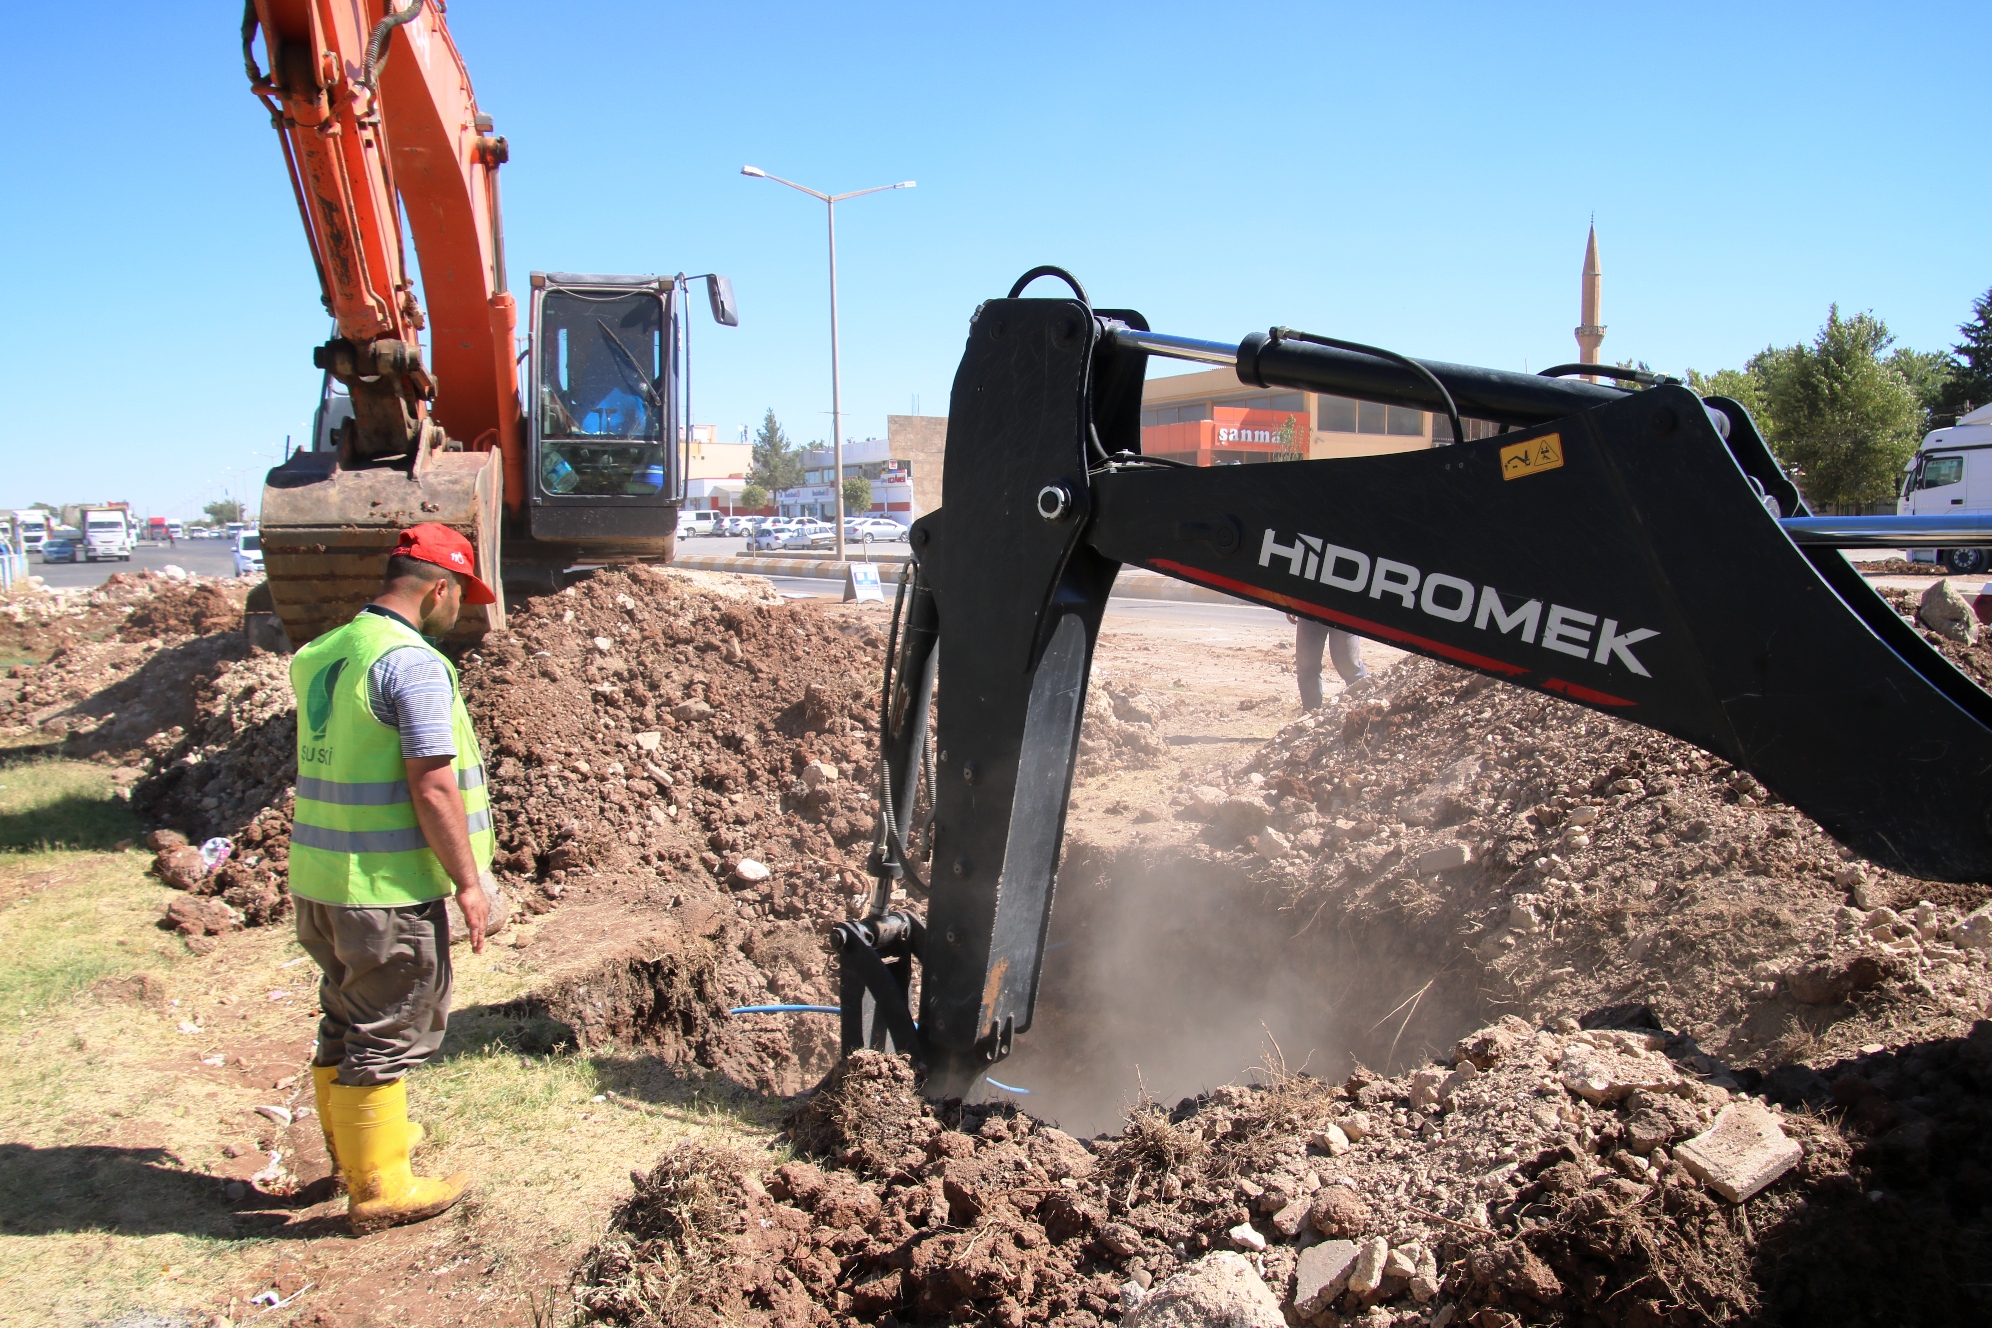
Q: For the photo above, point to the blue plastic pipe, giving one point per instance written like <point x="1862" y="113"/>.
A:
<point x="786" y="1009"/>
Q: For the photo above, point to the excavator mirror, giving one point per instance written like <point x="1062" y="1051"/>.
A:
<point x="719" y="292"/>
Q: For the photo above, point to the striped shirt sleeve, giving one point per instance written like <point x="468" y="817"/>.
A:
<point x="409" y="689"/>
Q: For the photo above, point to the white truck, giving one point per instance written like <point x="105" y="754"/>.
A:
<point x="1952" y="473"/>
<point x="31" y="525"/>
<point x="106" y="535"/>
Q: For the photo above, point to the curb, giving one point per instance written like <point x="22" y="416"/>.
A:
<point x="1131" y="584"/>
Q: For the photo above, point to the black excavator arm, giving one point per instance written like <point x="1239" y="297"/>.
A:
<point x="1637" y="552"/>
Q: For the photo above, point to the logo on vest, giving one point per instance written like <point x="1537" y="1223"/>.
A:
<point x="318" y="697"/>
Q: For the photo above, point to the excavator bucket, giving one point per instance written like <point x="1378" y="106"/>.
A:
<point x="327" y="533"/>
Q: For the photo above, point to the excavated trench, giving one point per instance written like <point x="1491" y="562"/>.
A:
<point x="1170" y="972"/>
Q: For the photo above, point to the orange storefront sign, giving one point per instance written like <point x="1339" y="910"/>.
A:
<point x="1231" y="435"/>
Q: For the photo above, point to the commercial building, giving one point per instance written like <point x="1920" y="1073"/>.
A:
<point x="1212" y="419"/>
<point x="904" y="468"/>
<point x="715" y="472"/>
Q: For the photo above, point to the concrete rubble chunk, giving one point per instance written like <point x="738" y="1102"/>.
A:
<point x="1204" y="802"/>
<point x="1242" y="816"/>
<point x="687" y="711"/>
<point x="1445" y="857"/>
<point x="1606" y="1074"/>
<point x="648" y="742"/>
<point x="1974" y="930"/>
<point x="1744" y="1151"/>
<point x="1333" y="1141"/>
<point x="1221" y="1290"/>
<point x="818" y="773"/>
<point x="1401" y="1263"/>
<point x="1367" y="1274"/>
<point x="1947" y="613"/>
<point x="1322" y="1274"/>
<point x="751" y="871"/>
<point x="1271" y="843"/>
<point x="1246" y="1237"/>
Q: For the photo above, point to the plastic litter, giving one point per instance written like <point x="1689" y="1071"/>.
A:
<point x="786" y="1009"/>
<point x="217" y="851"/>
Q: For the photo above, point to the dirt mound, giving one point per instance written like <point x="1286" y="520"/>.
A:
<point x="112" y="698"/>
<point x="34" y="624"/>
<point x="1538" y="1175"/>
<point x="1974" y="660"/>
<point x="864" y="1115"/>
<point x="649" y="723"/>
<point x="1579" y="862"/>
<point x="185" y="608"/>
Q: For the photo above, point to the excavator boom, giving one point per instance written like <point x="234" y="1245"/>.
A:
<point x="376" y="116"/>
<point x="1589" y="551"/>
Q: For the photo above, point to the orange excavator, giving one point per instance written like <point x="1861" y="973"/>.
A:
<point x="380" y="129"/>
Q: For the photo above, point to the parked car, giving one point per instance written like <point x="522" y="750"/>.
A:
<point x="867" y="529"/>
<point x="61" y="549"/>
<point x="769" y="532"/>
<point x="803" y="535"/>
<point x="738" y="525"/>
<point x="248" y="553"/>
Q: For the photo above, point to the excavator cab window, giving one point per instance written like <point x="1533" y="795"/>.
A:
<point x="601" y="393"/>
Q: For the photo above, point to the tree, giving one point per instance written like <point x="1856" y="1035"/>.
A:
<point x="1969" y="384"/>
<point x="1284" y="441"/>
<point x="753" y="497"/>
<point x="857" y="496"/>
<point x="1739" y="385"/>
<point x="1928" y="373"/>
<point x="224" y="510"/>
<point x="776" y="464"/>
<point x="1846" y="417"/>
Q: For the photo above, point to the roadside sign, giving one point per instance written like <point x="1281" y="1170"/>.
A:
<point x="861" y="582"/>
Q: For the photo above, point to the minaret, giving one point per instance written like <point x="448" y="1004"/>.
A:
<point x="1591" y="331"/>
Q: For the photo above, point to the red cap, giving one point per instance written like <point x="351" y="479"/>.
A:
<point x="432" y="542"/>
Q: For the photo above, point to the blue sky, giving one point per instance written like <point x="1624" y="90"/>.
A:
<point x="1415" y="176"/>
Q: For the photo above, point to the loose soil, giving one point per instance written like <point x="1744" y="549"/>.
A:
<point x="1481" y="893"/>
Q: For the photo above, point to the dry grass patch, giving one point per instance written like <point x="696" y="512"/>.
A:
<point x="128" y="1066"/>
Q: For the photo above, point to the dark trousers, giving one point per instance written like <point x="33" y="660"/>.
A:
<point x="1343" y="648"/>
<point x="385" y="985"/>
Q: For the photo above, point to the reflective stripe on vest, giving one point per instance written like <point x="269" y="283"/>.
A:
<point x="356" y="839"/>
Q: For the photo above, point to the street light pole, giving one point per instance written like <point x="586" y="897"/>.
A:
<point x="830" y="202"/>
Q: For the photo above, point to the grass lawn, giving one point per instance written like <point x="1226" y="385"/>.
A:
<point x="130" y="1069"/>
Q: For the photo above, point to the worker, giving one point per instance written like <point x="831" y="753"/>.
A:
<point x="1343" y="649"/>
<point x="392" y="819"/>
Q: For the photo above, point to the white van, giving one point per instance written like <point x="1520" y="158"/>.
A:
<point x="693" y="522"/>
<point x="1952" y="473"/>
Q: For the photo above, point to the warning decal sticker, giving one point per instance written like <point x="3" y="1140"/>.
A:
<point x="1532" y="457"/>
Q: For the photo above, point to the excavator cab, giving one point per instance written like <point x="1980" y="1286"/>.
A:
<point x="604" y="473"/>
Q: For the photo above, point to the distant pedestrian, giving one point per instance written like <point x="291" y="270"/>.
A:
<point x="1344" y="648"/>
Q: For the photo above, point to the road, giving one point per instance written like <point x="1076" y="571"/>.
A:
<point x="204" y="557"/>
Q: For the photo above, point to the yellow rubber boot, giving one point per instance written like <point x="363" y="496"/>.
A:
<point x="322" y="1078"/>
<point x="370" y="1129"/>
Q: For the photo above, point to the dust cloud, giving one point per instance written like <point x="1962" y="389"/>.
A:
<point x="1168" y="974"/>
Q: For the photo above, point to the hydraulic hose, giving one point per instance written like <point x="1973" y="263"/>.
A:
<point x="377" y="44"/>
